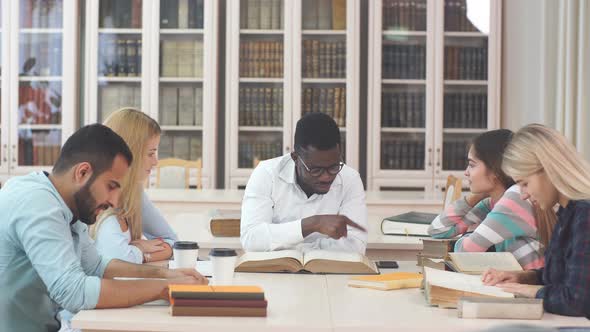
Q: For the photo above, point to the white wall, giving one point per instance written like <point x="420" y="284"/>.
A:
<point x="528" y="27"/>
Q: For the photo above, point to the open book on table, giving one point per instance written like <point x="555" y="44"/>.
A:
<point x="316" y="261"/>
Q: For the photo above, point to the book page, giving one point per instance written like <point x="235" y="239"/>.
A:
<point x="252" y="256"/>
<point x="481" y="261"/>
<point x="332" y="256"/>
<point x="462" y="282"/>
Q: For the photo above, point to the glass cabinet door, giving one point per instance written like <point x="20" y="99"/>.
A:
<point x="465" y="98"/>
<point x="181" y="50"/>
<point x="119" y="56"/>
<point x="323" y="60"/>
<point x="261" y="81"/>
<point x="403" y="85"/>
<point x="39" y="113"/>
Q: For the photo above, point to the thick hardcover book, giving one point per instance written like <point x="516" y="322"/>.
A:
<point x="218" y="303"/>
<point x="388" y="281"/>
<point x="500" y="308"/>
<point x="205" y="292"/>
<point x="218" y="311"/>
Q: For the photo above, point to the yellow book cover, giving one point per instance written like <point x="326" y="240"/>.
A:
<point x="387" y="281"/>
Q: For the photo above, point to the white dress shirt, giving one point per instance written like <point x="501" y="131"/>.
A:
<point x="274" y="205"/>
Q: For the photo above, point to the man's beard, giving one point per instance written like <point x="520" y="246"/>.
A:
<point x="86" y="204"/>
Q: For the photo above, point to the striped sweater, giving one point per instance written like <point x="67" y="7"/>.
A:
<point x="509" y="225"/>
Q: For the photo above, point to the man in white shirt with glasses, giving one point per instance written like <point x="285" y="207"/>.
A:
<point x="308" y="199"/>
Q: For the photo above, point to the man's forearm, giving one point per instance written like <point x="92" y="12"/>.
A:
<point x="308" y="226"/>
<point x="126" y="293"/>
<point x="118" y="268"/>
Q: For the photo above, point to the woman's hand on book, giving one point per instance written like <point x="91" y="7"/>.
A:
<point x="491" y="277"/>
<point x="334" y="226"/>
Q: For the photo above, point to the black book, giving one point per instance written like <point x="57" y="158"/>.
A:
<point x="402" y="110"/>
<point x="123" y="13"/>
<point x="385" y="110"/>
<point x="446" y="110"/>
<point x="396" y="155"/>
<point x="409" y="109"/>
<point x="131" y="52"/>
<point x="464" y="110"/>
<point x="169" y="14"/>
<point x="138" y="61"/>
<point x="484" y="110"/>
<point x="422" y="62"/>
<point x="394" y="109"/>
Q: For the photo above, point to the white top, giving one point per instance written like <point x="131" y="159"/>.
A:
<point x="274" y="205"/>
<point x="112" y="242"/>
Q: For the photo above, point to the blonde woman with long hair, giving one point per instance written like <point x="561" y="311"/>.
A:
<point x="118" y="232"/>
<point x="550" y="171"/>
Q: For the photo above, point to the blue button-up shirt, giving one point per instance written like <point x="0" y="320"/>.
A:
<point x="566" y="276"/>
<point x="46" y="261"/>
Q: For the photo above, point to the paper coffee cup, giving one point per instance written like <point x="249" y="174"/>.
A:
<point x="224" y="262"/>
<point x="185" y="254"/>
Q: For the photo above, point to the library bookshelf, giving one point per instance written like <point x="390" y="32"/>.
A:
<point x="160" y="57"/>
<point x="286" y="58"/>
<point x="434" y="84"/>
<point x="38" y="93"/>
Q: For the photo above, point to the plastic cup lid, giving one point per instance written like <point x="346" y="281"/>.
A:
<point x="222" y="252"/>
<point x="185" y="245"/>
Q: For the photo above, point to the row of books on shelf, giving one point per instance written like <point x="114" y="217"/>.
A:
<point x="404" y="15"/>
<point x="324" y="59"/>
<point x="455" y="154"/>
<point x="261" y="14"/>
<point x="41" y="13"/>
<point x="466" y="63"/>
<point x="181" y="58"/>
<point x="116" y="96"/>
<point x="456" y="16"/>
<point x="324" y="14"/>
<point x="182" y="14"/>
<point x="250" y="152"/>
<point x="181" y="106"/>
<point x="119" y="14"/>
<point x="404" y="61"/>
<point x="402" y="154"/>
<point x="465" y="110"/>
<point x="39" y="148"/>
<point x="38" y="105"/>
<point x="331" y="101"/>
<point x="40" y="55"/>
<point x="119" y="57"/>
<point x="261" y="58"/>
<point x="182" y="146"/>
<point x="403" y="109"/>
<point x="261" y="107"/>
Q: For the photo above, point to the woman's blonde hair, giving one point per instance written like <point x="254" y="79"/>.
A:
<point x="136" y="128"/>
<point x="536" y="148"/>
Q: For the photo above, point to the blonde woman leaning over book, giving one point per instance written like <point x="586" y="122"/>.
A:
<point x="118" y="232"/>
<point x="500" y="219"/>
<point x="550" y="171"/>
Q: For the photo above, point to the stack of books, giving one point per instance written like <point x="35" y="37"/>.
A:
<point x="203" y="300"/>
<point x="435" y="253"/>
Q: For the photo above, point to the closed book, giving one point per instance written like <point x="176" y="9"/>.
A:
<point x="265" y="14"/>
<point x="411" y="223"/>
<point x="199" y="106"/>
<point x="225" y="223"/>
<point x="186" y="106"/>
<point x="338" y="14"/>
<point x="219" y="303"/>
<point x="183" y="10"/>
<point x="169" y="64"/>
<point x="478" y="262"/>
<point x="169" y="106"/>
<point x="500" y="308"/>
<point x="253" y="14"/>
<point x="168" y="14"/>
<point x="438" y="247"/>
<point x="324" y="14"/>
<point x="218" y="311"/>
<point x="186" y="55"/>
<point x="310" y="14"/>
<point x="205" y="292"/>
<point x="196" y="144"/>
<point x="132" y="65"/>
<point x="388" y="281"/>
<point x="275" y="14"/>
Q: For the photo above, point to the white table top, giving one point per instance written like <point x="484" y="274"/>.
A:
<point x="300" y="302"/>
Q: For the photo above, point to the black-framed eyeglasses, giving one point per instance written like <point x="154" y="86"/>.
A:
<point x="318" y="171"/>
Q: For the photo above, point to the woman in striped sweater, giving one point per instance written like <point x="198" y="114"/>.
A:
<point x="494" y="211"/>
